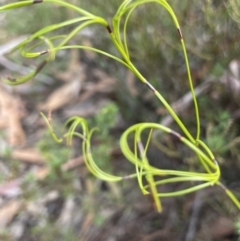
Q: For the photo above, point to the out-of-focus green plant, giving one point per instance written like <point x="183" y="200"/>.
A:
<point x="233" y="7"/>
<point x="51" y="232"/>
<point x="237" y="225"/>
<point x="55" y="154"/>
<point x="5" y="235"/>
<point x="137" y="152"/>
<point x="104" y="120"/>
<point x="219" y="137"/>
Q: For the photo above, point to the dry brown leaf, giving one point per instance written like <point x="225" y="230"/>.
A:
<point x="41" y="173"/>
<point x="29" y="155"/>
<point x="65" y="94"/>
<point x="104" y="77"/>
<point x="182" y="103"/>
<point x="8" y="211"/>
<point x="74" y="65"/>
<point x="12" y="110"/>
<point x="88" y="220"/>
<point x="87" y="108"/>
<point x="68" y="212"/>
<point x="75" y="70"/>
<point x="90" y="54"/>
<point x="62" y="96"/>
<point x="105" y="84"/>
<point x="3" y="123"/>
<point x="131" y="83"/>
<point x="73" y="163"/>
<point x="221" y="228"/>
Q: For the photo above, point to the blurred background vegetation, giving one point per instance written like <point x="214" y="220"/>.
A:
<point x="211" y="30"/>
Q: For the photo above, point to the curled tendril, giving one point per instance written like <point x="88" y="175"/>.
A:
<point x="138" y="157"/>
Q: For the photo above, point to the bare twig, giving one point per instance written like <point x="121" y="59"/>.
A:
<point x="194" y="217"/>
<point x="186" y="100"/>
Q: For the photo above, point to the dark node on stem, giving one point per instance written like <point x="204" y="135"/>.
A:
<point x="109" y="29"/>
<point x="150" y="87"/>
<point x="37" y="1"/>
<point x="180" y="33"/>
<point x="176" y="134"/>
<point x="11" y="79"/>
<point x="40" y="67"/>
<point x="44" y="52"/>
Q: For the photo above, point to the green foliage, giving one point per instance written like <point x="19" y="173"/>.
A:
<point x="5" y="235"/>
<point x="233" y="7"/>
<point x="216" y="136"/>
<point x="51" y="232"/>
<point x="5" y="150"/>
<point x="104" y="120"/>
<point x="42" y="13"/>
<point x="55" y="154"/>
<point x="221" y="131"/>
<point x="137" y="152"/>
<point x="237" y="226"/>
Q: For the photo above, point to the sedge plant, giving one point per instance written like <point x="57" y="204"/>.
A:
<point x="135" y="152"/>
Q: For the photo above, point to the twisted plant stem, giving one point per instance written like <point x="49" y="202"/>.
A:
<point x="137" y="156"/>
